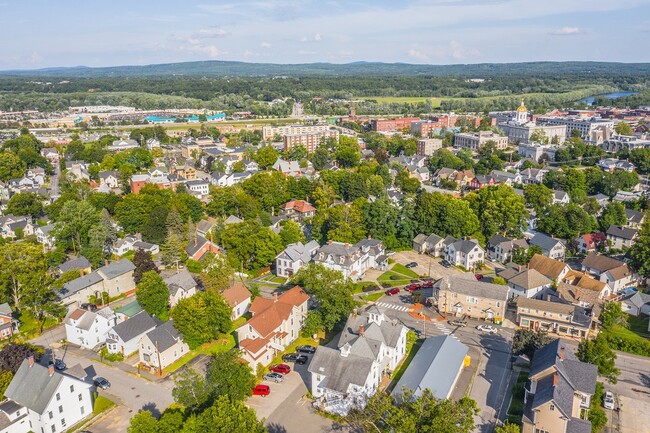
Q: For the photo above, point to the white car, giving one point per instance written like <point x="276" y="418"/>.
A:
<point x="487" y="328"/>
<point x="608" y="401"/>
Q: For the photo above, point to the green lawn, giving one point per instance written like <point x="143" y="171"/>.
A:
<point x="358" y="287"/>
<point x="639" y="325"/>
<point x="372" y="297"/>
<point x="435" y="102"/>
<point x="516" y="408"/>
<point x="397" y="280"/>
<point x="224" y="344"/>
<point x="237" y="323"/>
<point x="279" y="280"/>
<point x="102" y="404"/>
<point x="401" y="269"/>
<point x="30" y="327"/>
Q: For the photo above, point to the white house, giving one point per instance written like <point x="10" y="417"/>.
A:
<point x="275" y="324"/>
<point x="616" y="274"/>
<point x="500" y="248"/>
<point x="370" y="347"/>
<point x="621" y="237"/>
<point x="239" y="299"/>
<point x="125" y="337"/>
<point x="40" y="399"/>
<point x="44" y="235"/>
<point x="198" y="187"/>
<point x="352" y="260"/>
<point x="553" y="248"/>
<point x="87" y="328"/>
<point x="115" y="279"/>
<point x="110" y="178"/>
<point x="529" y="283"/>
<point x="294" y="257"/>
<point x="181" y="285"/>
<point x="162" y="346"/>
<point x="465" y="253"/>
<point x="133" y="243"/>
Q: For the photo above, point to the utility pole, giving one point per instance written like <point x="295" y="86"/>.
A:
<point x="159" y="364"/>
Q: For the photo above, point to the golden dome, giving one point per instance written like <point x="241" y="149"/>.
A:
<point x="522" y="108"/>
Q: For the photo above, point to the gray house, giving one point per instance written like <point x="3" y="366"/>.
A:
<point x="125" y="336"/>
<point x="551" y="247"/>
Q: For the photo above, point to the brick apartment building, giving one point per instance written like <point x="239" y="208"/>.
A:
<point x="385" y="125"/>
<point x="311" y="140"/>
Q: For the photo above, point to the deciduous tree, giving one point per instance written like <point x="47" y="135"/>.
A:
<point x="143" y="263"/>
<point x="202" y="317"/>
<point x="153" y="294"/>
<point x="599" y="353"/>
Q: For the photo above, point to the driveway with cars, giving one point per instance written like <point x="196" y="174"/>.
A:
<point x="427" y="265"/>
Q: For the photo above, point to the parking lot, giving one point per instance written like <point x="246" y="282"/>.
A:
<point x="427" y="265"/>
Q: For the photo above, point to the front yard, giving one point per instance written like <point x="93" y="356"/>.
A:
<point x="398" y="275"/>
<point x="223" y="344"/>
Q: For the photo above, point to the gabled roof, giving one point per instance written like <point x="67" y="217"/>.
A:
<point x="78" y="284"/>
<point x="546" y="266"/>
<point x="34" y="387"/>
<point x="593" y="239"/>
<point x="115" y="269"/>
<point x="468" y="285"/>
<point x="529" y="279"/>
<point x="165" y="336"/>
<point x="622" y="232"/>
<point x="544" y="241"/>
<point x="301" y="206"/>
<point x="465" y="245"/>
<point x="79" y="263"/>
<point x="268" y="314"/>
<point x="5" y="310"/>
<point x="236" y="294"/>
<point x="181" y="279"/>
<point x="135" y="326"/>
<point x="601" y="263"/>
<point x="634" y="216"/>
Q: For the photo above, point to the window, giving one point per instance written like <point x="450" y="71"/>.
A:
<point x="80" y="397"/>
<point x="525" y="322"/>
<point x="53" y="428"/>
<point x="62" y="422"/>
<point x="83" y="410"/>
<point x="71" y="388"/>
<point x="50" y="414"/>
<point x="60" y="409"/>
<point x="551" y="406"/>
<point x="58" y="396"/>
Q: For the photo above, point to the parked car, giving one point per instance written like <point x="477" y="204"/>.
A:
<point x="478" y="276"/>
<point x="291" y="357"/>
<point x="412" y="287"/>
<point x="306" y="349"/>
<point x="458" y="322"/>
<point x="262" y="390"/>
<point x="608" y="400"/>
<point x="275" y="377"/>
<point x="427" y="285"/>
<point x="102" y="383"/>
<point x="302" y="359"/>
<point x="411" y="265"/>
<point x="89" y="307"/>
<point x="280" y="368"/>
<point x="487" y="328"/>
<point x="59" y="364"/>
<point x="393" y="291"/>
<point x="417" y="331"/>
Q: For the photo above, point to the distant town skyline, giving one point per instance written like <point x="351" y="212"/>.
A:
<point x="38" y="34"/>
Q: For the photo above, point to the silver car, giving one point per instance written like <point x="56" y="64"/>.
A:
<point x="274" y="377"/>
<point x="608" y="400"/>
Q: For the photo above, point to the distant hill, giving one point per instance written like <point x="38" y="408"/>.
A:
<point x="223" y="68"/>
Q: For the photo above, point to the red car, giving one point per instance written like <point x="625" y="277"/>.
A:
<point x="412" y="287"/>
<point x="262" y="390"/>
<point x="281" y="368"/>
<point x="393" y="291"/>
<point x="427" y="285"/>
<point x="478" y="276"/>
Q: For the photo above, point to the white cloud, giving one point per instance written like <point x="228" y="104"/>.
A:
<point x="210" y="33"/>
<point x="419" y="55"/>
<point x="317" y="37"/>
<point x="567" y="31"/>
<point x="265" y="45"/>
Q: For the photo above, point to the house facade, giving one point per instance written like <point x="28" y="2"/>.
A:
<point x="370" y="347"/>
<point x="294" y="257"/>
<point x="124" y="338"/>
<point x="162" y="346"/>
<point x="463" y="295"/>
<point x="181" y="285"/>
<point x="8" y="324"/>
<point x="465" y="253"/>
<point x="552" y="248"/>
<point x="89" y="329"/>
<point x="551" y="315"/>
<point x="238" y="298"/>
<point x="275" y="324"/>
<point x="352" y="260"/>
<point x="40" y="399"/>
<point x="558" y="395"/>
<point x="621" y="237"/>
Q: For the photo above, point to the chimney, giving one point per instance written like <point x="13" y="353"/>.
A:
<point x="31" y="360"/>
<point x="275" y="297"/>
<point x="105" y="262"/>
<point x="555" y="378"/>
<point x="50" y="369"/>
<point x="329" y="242"/>
<point x="81" y="272"/>
<point x="562" y="353"/>
<point x="347" y="246"/>
<point x="548" y="298"/>
<point x="361" y="330"/>
<point x="196" y="241"/>
<point x="519" y="268"/>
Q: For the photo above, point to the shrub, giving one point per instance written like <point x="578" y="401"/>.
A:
<point x="111" y="357"/>
<point x="395" y="277"/>
<point x="370" y="288"/>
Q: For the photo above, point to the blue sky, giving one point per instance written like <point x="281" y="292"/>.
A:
<point x="44" y="33"/>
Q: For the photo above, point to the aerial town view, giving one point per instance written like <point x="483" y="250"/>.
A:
<point x="283" y="216"/>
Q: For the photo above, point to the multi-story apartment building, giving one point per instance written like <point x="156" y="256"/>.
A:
<point x="385" y="125"/>
<point x="268" y="132"/>
<point x="554" y="316"/>
<point x="311" y="140"/>
<point x="427" y="146"/>
<point x="462" y="295"/>
<point x="475" y="140"/>
<point x="586" y="126"/>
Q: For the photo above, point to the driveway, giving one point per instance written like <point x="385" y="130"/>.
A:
<point x="114" y="421"/>
<point x="634" y="415"/>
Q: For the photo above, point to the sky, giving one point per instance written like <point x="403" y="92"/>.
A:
<point x="47" y="33"/>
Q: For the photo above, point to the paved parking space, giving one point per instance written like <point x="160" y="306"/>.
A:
<point x="427" y="265"/>
<point x="265" y="406"/>
<point x="634" y="415"/>
<point x="114" y="421"/>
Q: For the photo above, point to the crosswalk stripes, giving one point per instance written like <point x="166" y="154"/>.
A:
<point x="392" y="306"/>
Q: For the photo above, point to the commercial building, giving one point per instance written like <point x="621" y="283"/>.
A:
<point x="427" y="146"/>
<point x="475" y="140"/>
<point x="269" y="132"/>
<point x="385" y="125"/>
<point x="586" y="126"/>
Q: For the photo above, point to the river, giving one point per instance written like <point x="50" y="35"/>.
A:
<point x="615" y="95"/>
